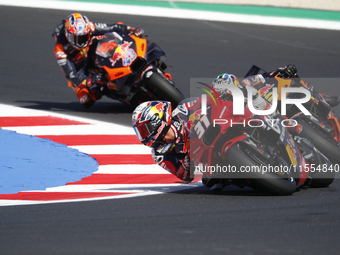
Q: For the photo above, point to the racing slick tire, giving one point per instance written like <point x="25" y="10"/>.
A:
<point x="267" y="181"/>
<point x="165" y="89"/>
<point x="329" y="147"/>
<point x="322" y="179"/>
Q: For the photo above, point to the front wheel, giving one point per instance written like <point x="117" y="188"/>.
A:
<point x="267" y="181"/>
<point x="322" y="179"/>
<point x="163" y="89"/>
<point x="328" y="146"/>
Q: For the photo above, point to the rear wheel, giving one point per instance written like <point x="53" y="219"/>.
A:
<point x="274" y="183"/>
<point x="326" y="145"/>
<point x="322" y="180"/>
<point x="163" y="89"/>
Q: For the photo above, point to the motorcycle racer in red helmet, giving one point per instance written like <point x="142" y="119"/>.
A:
<point x="166" y="133"/>
<point x="76" y="39"/>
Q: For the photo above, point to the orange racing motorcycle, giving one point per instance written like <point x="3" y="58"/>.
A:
<point x="134" y="69"/>
<point x="322" y="127"/>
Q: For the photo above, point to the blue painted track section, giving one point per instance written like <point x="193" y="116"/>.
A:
<point x="31" y="163"/>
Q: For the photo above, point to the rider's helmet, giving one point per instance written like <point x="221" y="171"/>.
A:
<point x="151" y="121"/>
<point x="78" y="30"/>
<point x="224" y="79"/>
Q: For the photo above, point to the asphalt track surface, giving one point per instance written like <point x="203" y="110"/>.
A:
<point x="234" y="221"/>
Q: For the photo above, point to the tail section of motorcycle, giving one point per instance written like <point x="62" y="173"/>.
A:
<point x="155" y="84"/>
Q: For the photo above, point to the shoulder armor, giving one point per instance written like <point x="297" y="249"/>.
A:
<point x="99" y="25"/>
<point x="58" y="29"/>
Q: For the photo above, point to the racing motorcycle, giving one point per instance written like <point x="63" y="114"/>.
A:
<point x="134" y="69"/>
<point x="253" y="150"/>
<point x="322" y="127"/>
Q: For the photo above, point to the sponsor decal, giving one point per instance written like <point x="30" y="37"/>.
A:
<point x="83" y="99"/>
<point x="160" y="107"/>
<point x="119" y="74"/>
<point x="71" y="75"/>
<point x="264" y="91"/>
<point x="129" y="57"/>
<point x="61" y="62"/>
<point x="61" y="54"/>
<point x="148" y="74"/>
<point x="159" y="131"/>
<point x="119" y="52"/>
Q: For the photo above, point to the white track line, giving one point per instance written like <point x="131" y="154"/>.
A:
<point x="106" y="129"/>
<point x="131" y="169"/>
<point x="113" y="149"/>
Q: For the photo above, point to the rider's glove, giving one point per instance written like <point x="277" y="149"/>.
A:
<point x="95" y="85"/>
<point x="98" y="79"/>
<point x="89" y="90"/>
<point x="84" y="95"/>
<point x="288" y="71"/>
<point x="184" y="170"/>
<point x="137" y="31"/>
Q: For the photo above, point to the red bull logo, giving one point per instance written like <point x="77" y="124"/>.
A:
<point x="197" y="114"/>
<point x="119" y="52"/>
<point x="264" y="91"/>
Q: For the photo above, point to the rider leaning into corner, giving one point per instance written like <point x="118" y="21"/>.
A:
<point x="289" y="71"/>
<point x="76" y="41"/>
<point x="167" y="132"/>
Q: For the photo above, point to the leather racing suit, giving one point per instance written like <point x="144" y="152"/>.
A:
<point x="174" y="156"/>
<point x="78" y="65"/>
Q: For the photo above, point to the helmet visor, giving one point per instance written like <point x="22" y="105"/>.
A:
<point x="142" y="132"/>
<point x="80" y="41"/>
